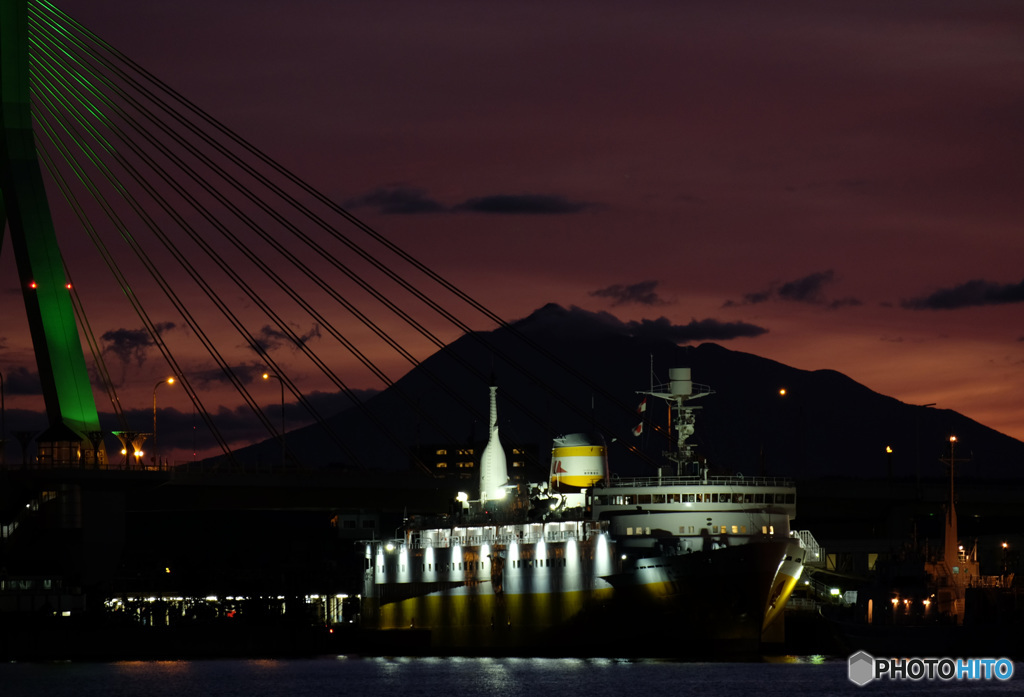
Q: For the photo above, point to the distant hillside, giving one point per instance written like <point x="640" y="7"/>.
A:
<point x="827" y="424"/>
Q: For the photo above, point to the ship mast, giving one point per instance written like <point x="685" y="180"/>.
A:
<point x="679" y="390"/>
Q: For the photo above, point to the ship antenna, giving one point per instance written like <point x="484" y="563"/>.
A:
<point x="678" y="391"/>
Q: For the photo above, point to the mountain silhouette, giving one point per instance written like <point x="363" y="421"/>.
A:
<point x="569" y="370"/>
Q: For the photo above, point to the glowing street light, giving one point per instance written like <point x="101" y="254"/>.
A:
<point x="166" y="381"/>
<point x="284" y="446"/>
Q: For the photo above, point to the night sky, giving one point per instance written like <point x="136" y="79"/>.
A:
<point x="845" y="177"/>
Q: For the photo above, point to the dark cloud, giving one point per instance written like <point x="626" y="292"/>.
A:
<point x="530" y="204"/>
<point x="844" y="302"/>
<point x="696" y="330"/>
<point x="402" y="200"/>
<point x="398" y="201"/>
<point x="753" y="298"/>
<point x="270" y="338"/>
<point x="247" y="373"/>
<point x="22" y="381"/>
<point x="642" y="293"/>
<point x="971" y="294"/>
<point x="127" y="344"/>
<point x="554" y="319"/>
<point x="810" y="290"/>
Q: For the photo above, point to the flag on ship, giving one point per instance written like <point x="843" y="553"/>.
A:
<point x="640" y="410"/>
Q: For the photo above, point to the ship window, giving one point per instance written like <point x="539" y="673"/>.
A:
<point x="758" y="498"/>
<point x="643" y="498"/>
<point x="658" y="498"/>
<point x="672" y="498"/>
<point x="601" y="500"/>
<point x="743" y="529"/>
<point x="740" y="498"/>
<point x="700" y="498"/>
<point x="689" y="498"/>
<point x="771" y="529"/>
<point x="764" y="529"/>
<point x="629" y="531"/>
<point x="628" y="500"/>
<point x="735" y="529"/>
<point x="691" y="529"/>
<point x="780" y="498"/>
<point x="714" y="498"/>
<point x="723" y="530"/>
<point x="648" y="531"/>
<point x="790" y="498"/>
<point x="547" y="562"/>
<point x="724" y="498"/>
<point x="441" y="465"/>
<point x="441" y="452"/>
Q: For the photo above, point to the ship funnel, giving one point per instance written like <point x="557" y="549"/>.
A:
<point x="578" y="461"/>
<point x="493" y="465"/>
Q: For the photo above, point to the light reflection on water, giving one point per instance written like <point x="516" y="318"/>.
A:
<point x="786" y="676"/>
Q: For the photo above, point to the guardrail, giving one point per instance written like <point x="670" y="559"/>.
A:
<point x="736" y="480"/>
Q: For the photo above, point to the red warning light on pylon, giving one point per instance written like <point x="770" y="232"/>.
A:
<point x="68" y="286"/>
<point x="33" y="285"/>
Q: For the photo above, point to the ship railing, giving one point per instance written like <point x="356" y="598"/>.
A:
<point x="694" y="481"/>
<point x="522" y="535"/>
<point x="814" y="554"/>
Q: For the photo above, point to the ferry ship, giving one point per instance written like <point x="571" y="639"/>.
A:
<point x="587" y="564"/>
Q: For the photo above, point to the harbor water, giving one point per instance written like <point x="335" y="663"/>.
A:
<point x="792" y="676"/>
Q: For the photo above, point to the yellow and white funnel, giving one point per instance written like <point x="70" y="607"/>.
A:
<point x="578" y="461"/>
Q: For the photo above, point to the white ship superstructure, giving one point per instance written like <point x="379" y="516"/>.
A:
<point x="598" y="561"/>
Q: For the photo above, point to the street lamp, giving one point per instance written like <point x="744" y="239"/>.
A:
<point x="156" y="456"/>
<point x="3" y="424"/>
<point x="284" y="447"/>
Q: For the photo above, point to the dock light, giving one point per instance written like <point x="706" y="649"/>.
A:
<point x="1005" y="545"/>
<point x="389" y="547"/>
<point x="782" y="391"/>
<point x="952" y="439"/>
<point x="895" y="602"/>
<point x="888" y="449"/>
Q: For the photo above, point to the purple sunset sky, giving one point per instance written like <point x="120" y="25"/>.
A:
<point x="846" y="175"/>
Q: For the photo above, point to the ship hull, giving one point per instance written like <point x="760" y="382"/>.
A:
<point x="574" y="600"/>
<point x="714" y="602"/>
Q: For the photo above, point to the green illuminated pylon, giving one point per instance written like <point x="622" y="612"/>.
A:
<point x="61" y="362"/>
